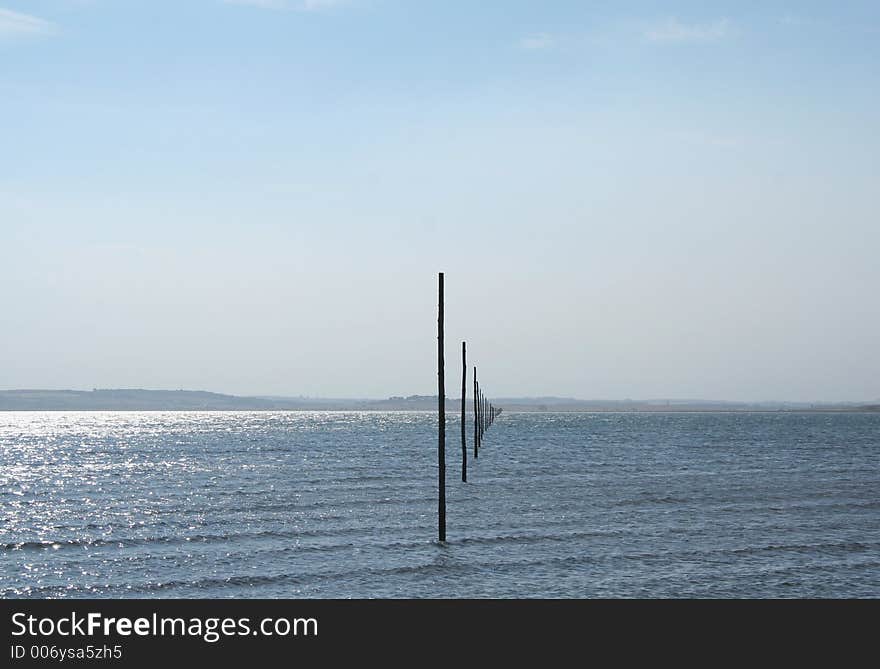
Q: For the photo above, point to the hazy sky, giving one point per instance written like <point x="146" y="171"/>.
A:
<point x="641" y="199"/>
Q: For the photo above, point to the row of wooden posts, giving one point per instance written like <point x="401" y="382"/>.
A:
<point x="485" y="414"/>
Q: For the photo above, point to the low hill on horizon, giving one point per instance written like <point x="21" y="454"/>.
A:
<point x="138" y="399"/>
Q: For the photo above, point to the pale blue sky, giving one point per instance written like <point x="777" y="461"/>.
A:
<point x="637" y="199"/>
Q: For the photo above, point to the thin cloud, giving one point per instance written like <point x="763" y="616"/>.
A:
<point x="537" y="42"/>
<point x="673" y="31"/>
<point x="16" y="23"/>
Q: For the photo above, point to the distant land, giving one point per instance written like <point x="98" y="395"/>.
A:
<point x="199" y="400"/>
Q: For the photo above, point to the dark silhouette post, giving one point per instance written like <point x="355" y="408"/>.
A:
<point x="476" y="422"/>
<point x="441" y="406"/>
<point x="480" y="409"/>
<point x="480" y="415"/>
<point x="463" y="398"/>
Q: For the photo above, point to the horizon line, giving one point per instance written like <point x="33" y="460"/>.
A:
<point x="417" y="396"/>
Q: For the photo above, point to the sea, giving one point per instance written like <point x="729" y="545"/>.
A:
<point x="344" y="505"/>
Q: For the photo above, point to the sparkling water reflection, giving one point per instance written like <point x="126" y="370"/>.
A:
<point x="316" y="504"/>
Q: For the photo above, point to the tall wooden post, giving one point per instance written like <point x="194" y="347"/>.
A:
<point x="463" y="398"/>
<point x="441" y="406"/>
<point x="476" y="423"/>
<point x="480" y="414"/>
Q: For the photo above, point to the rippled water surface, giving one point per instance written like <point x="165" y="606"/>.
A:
<point x="344" y="505"/>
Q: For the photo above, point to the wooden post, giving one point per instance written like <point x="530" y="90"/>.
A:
<point x="480" y="409"/>
<point x="480" y="416"/>
<point x="476" y="425"/>
<point x="463" y="398"/>
<point x="441" y="406"/>
<point x="479" y="434"/>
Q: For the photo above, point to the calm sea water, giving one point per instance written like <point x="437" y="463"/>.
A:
<point x="344" y="505"/>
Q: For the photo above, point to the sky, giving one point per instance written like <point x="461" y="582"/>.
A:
<point x="628" y="199"/>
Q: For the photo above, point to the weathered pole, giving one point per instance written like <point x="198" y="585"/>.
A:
<point x="477" y="417"/>
<point x="481" y="417"/>
<point x="478" y="413"/>
<point x="476" y="424"/>
<point x="441" y="406"/>
<point x="463" y="398"/>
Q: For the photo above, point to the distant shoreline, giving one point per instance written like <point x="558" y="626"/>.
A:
<point x="857" y="410"/>
<point x="197" y="400"/>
